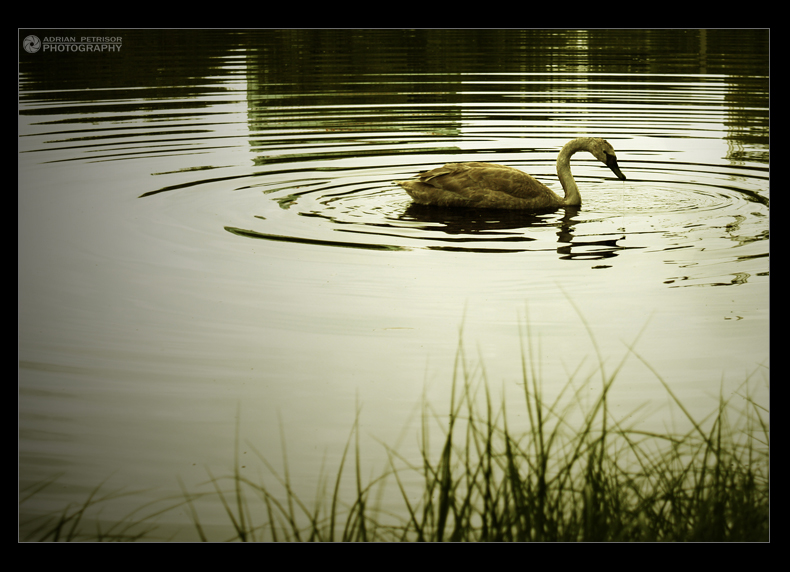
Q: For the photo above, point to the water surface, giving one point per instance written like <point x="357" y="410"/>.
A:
<point x="207" y="224"/>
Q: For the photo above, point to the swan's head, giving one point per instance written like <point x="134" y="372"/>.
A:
<point x="604" y="152"/>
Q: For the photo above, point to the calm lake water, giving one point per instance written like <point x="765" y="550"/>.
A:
<point x="207" y="225"/>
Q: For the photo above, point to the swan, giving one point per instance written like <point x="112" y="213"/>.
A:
<point x="490" y="186"/>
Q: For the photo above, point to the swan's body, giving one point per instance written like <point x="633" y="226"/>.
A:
<point x="490" y="186"/>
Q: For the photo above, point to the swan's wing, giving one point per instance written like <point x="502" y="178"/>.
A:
<point x="481" y="185"/>
<point x="473" y="178"/>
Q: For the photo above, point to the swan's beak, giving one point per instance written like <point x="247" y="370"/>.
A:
<point x="611" y="162"/>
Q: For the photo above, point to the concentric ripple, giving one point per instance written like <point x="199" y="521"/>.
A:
<point x="362" y="208"/>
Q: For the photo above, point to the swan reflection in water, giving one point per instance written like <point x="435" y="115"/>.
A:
<point x="482" y="230"/>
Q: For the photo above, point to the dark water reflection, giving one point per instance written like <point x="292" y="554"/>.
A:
<point x="484" y="225"/>
<point x="208" y="219"/>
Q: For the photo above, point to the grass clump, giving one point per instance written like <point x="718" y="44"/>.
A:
<point x="593" y="480"/>
<point x="576" y="474"/>
<point x="70" y="524"/>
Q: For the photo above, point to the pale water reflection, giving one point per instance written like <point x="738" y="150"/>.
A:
<point x="207" y="221"/>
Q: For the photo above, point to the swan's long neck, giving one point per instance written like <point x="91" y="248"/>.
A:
<point x="572" y="196"/>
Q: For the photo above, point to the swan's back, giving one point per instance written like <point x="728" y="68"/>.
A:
<point x="480" y="185"/>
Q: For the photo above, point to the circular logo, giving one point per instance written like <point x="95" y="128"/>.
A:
<point x="31" y="44"/>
